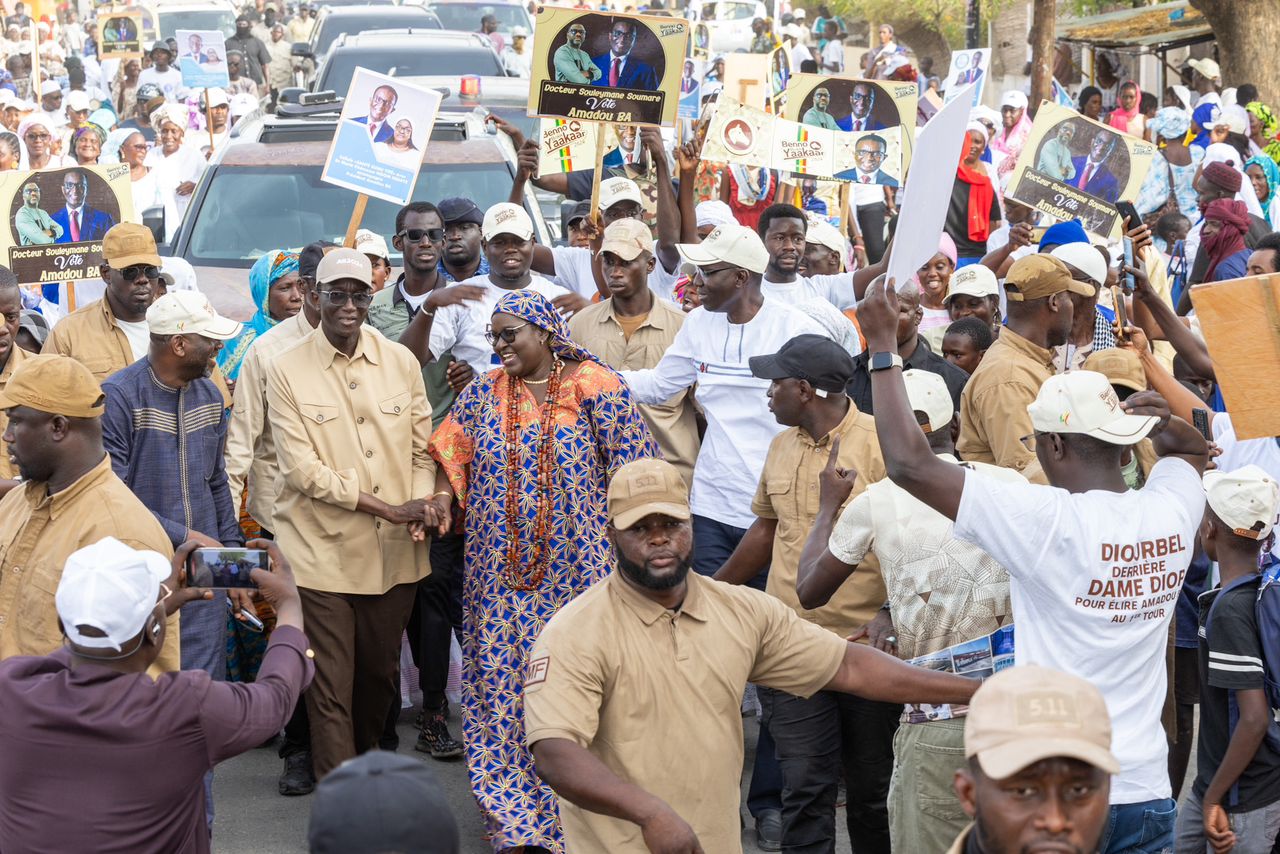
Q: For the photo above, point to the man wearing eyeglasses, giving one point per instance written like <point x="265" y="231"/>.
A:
<point x="571" y="62"/>
<point x="33" y="224"/>
<point x="869" y="153"/>
<point x="618" y="68"/>
<point x="350" y="419"/>
<point x="862" y="100"/>
<point x="78" y="220"/>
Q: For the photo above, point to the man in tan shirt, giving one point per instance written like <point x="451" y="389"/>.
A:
<point x="111" y="333"/>
<point x="822" y="738"/>
<point x="994" y="425"/>
<point x="69" y="498"/>
<point x="654" y="648"/>
<point x="351" y="422"/>
<point x="11" y="356"/>
<point x="633" y="328"/>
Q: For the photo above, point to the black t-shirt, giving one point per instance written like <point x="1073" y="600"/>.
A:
<point x="922" y="359"/>
<point x="1230" y="661"/>
<point x="958" y="221"/>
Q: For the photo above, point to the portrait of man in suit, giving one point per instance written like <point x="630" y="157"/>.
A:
<point x="79" y="221"/>
<point x="195" y="49"/>
<point x="973" y="73"/>
<point x="869" y="153"/>
<point x="381" y="104"/>
<point x="619" y="68"/>
<point x="1093" y="172"/>
<point x="862" y="101"/>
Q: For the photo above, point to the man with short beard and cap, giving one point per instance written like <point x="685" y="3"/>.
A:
<point x="69" y="497"/>
<point x="1038" y="730"/>
<point x="462" y="257"/>
<point x="164" y="426"/>
<point x="350" y="420"/>
<point x="655" y="649"/>
<point x="1080" y="552"/>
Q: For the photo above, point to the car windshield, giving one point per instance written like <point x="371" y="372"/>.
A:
<point x="466" y="16"/>
<point x="376" y="19"/>
<point x="196" y="19"/>
<point x="417" y="61"/>
<point x="241" y="215"/>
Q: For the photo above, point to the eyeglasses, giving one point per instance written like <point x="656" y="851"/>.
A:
<point x="131" y="274"/>
<point x="360" y="299"/>
<point x="508" y="334"/>
<point x="39" y="137"/>
<point x="435" y="235"/>
<point x="711" y="271"/>
<point x="878" y="155"/>
<point x="619" y="34"/>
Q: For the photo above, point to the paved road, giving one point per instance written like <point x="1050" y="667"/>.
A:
<point x="253" y="819"/>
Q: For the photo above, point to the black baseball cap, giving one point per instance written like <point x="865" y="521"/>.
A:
<point x="310" y="256"/>
<point x="581" y="211"/>
<point x="458" y="209"/>
<point x="816" y="359"/>
<point x="381" y="801"/>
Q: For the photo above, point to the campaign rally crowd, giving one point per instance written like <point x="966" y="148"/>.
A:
<point x="981" y="550"/>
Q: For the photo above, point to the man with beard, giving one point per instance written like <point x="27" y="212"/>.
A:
<point x="784" y="229"/>
<point x="654" y="648"/>
<point x="165" y="426"/>
<point x="461" y="258"/>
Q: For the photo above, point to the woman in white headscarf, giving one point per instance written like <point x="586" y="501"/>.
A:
<point x="37" y="144"/>
<point x="177" y="167"/>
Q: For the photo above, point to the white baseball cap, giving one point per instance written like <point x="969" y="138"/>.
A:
<point x="928" y="393"/>
<point x="242" y="104"/>
<point x="1014" y="98"/>
<point x="1084" y="258"/>
<point x="824" y="234"/>
<point x="1084" y="402"/>
<point x="344" y="263"/>
<point x="710" y="212"/>
<point x="1207" y="68"/>
<point x="614" y="190"/>
<point x="732" y="244"/>
<point x="1235" y="117"/>
<point x="372" y="243"/>
<point x="109" y="587"/>
<point x="78" y="101"/>
<point x="190" y="313"/>
<point x="976" y="280"/>
<point x="217" y="97"/>
<point x="508" y="218"/>
<point x="1247" y="499"/>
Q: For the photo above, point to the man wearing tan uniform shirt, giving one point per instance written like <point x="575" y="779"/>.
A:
<point x="351" y="422"/>
<point x="829" y="736"/>
<point x="11" y="356"/>
<point x="633" y="328"/>
<point x="994" y="425"/>
<point x="69" y="498"/>
<point x="656" y="649"/>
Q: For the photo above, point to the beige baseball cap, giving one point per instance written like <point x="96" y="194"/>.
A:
<point x="126" y="244"/>
<point x="59" y="385"/>
<point x="1207" y="67"/>
<point x="344" y="263"/>
<point x="1121" y="367"/>
<point x="627" y="238"/>
<point x="646" y="486"/>
<point x="974" y="280"/>
<point x="1038" y="276"/>
<point x="371" y="243"/>
<point x="730" y="244"/>
<point x="614" y="190"/>
<point x="1084" y="402"/>
<point x="506" y="218"/>
<point x="1028" y="713"/>
<point x="189" y="313"/>
<point x="1247" y="499"/>
<point x="825" y="234"/>
<point x="928" y="393"/>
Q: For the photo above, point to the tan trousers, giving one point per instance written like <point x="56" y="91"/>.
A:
<point x="356" y="640"/>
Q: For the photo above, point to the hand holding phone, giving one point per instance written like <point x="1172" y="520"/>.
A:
<point x="1200" y="420"/>
<point x="1127" y="278"/>
<point x="1128" y="215"/>
<point x="221" y="569"/>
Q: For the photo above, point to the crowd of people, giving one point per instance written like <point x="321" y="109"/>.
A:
<point x="955" y="540"/>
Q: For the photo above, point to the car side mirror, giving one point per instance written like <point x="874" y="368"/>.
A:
<point x="301" y="49"/>
<point x="153" y="219"/>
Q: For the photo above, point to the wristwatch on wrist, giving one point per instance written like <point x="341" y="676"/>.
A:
<point x="883" y="360"/>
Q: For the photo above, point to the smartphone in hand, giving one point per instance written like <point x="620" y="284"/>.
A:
<point x="1127" y="278"/>
<point x="1200" y="420"/>
<point x="224" y="568"/>
<point x="1128" y="215"/>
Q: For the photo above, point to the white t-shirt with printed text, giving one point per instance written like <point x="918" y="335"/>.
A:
<point x="1095" y="578"/>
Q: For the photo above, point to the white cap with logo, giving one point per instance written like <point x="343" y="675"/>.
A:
<point x="614" y="190"/>
<point x="976" y="280"/>
<point x="344" y="263"/>
<point x="506" y="218"/>
<point x="731" y="244"/>
<point x="825" y="234"/>
<point x="189" y="313"/>
<point x="1247" y="499"/>
<point x="1084" y="402"/>
<point x="111" y="588"/>
<point x="927" y="393"/>
<point x="372" y="243"/>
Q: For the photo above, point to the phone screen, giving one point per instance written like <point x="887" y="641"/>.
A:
<point x="221" y="568"/>
<point x="1128" y="262"/>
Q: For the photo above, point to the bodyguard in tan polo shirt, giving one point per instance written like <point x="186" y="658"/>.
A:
<point x="11" y="356"/>
<point x="632" y="329"/>
<point x="351" y="422"/>
<point x="994" y="425"/>
<point x="69" y="498"/>
<point x="111" y="333"/>
<point x="654" y="648"/>
<point x="821" y="739"/>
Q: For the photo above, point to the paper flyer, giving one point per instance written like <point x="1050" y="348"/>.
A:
<point x="976" y="659"/>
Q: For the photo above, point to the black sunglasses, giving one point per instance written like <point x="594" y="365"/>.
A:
<point x="359" y="299"/>
<point x="131" y="274"/>
<point x="435" y="235"/>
